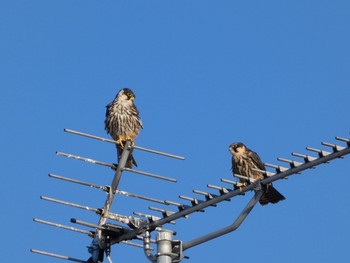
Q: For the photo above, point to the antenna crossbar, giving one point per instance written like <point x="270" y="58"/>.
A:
<point x="135" y="147"/>
<point x="96" y="210"/>
<point x="89" y="233"/>
<point x="89" y="160"/>
<point x="150" y="175"/>
<point x="105" y="188"/>
<point x="56" y="256"/>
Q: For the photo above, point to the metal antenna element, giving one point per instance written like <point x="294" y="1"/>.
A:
<point x="106" y="232"/>
<point x="57" y="256"/>
<point x="151" y="175"/>
<point x="135" y="147"/>
<point x="106" y="189"/>
<point x="89" y="233"/>
<point x="89" y="160"/>
<point x="113" y="166"/>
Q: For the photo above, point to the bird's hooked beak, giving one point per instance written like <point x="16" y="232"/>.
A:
<point x="130" y="96"/>
<point x="237" y="148"/>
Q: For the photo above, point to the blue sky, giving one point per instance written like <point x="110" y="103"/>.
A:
<point x="272" y="74"/>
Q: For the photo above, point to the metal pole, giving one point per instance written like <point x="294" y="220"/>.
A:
<point x="57" y="256"/>
<point x="115" y="183"/>
<point x="229" y="228"/>
<point x="99" y="243"/>
<point x="164" y="244"/>
<point x="135" y="147"/>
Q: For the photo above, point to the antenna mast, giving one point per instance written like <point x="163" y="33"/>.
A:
<point x="139" y="226"/>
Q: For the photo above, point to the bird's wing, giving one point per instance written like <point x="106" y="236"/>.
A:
<point x="257" y="161"/>
<point x="108" y="108"/>
<point x="233" y="167"/>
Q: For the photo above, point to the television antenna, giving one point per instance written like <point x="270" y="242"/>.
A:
<point x="131" y="229"/>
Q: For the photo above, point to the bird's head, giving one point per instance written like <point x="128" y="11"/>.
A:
<point x="125" y="96"/>
<point x="237" y="148"/>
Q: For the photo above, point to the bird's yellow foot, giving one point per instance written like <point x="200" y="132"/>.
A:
<point x="121" y="142"/>
<point x="240" y="187"/>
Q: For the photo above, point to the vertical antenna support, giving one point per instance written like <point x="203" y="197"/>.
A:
<point x="164" y="244"/>
<point x="121" y="165"/>
<point x="229" y="228"/>
<point x="112" y="190"/>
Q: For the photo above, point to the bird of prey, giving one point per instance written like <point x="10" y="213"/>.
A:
<point x="244" y="161"/>
<point x="123" y="122"/>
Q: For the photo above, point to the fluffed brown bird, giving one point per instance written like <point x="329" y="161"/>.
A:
<point x="244" y="161"/>
<point x="123" y="122"/>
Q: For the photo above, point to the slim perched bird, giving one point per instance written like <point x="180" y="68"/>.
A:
<point x="123" y="122"/>
<point x="244" y="161"/>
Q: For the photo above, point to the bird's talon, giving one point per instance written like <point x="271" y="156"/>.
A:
<point x="240" y="189"/>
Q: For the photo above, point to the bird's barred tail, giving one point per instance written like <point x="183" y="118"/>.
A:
<point x="271" y="195"/>
<point x="131" y="160"/>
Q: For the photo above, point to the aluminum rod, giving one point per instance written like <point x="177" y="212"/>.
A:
<point x="343" y="140"/>
<point x="168" y="202"/>
<point x="231" y="194"/>
<point x="59" y="177"/>
<point x="160" y="153"/>
<point x="207" y="195"/>
<point x="191" y="199"/>
<point x="277" y="167"/>
<point x="250" y="179"/>
<point x="114" y="142"/>
<point x="96" y="210"/>
<point x="56" y="255"/>
<point x="89" y="233"/>
<point x="334" y="147"/>
<point x="247" y="209"/>
<point x="87" y="224"/>
<point x="229" y="181"/>
<point x="132" y="244"/>
<point x="151" y="218"/>
<point x="267" y="173"/>
<point x="219" y="188"/>
<point x="201" y="192"/>
<point x="163" y="211"/>
<point x="150" y="175"/>
<point x="89" y="160"/>
<point x="105" y="188"/>
<point x="292" y="163"/>
<point x="307" y="158"/>
<point x="153" y="241"/>
<point x="222" y="190"/>
<point x="151" y="199"/>
<point x="321" y="153"/>
<point x="114" y="186"/>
